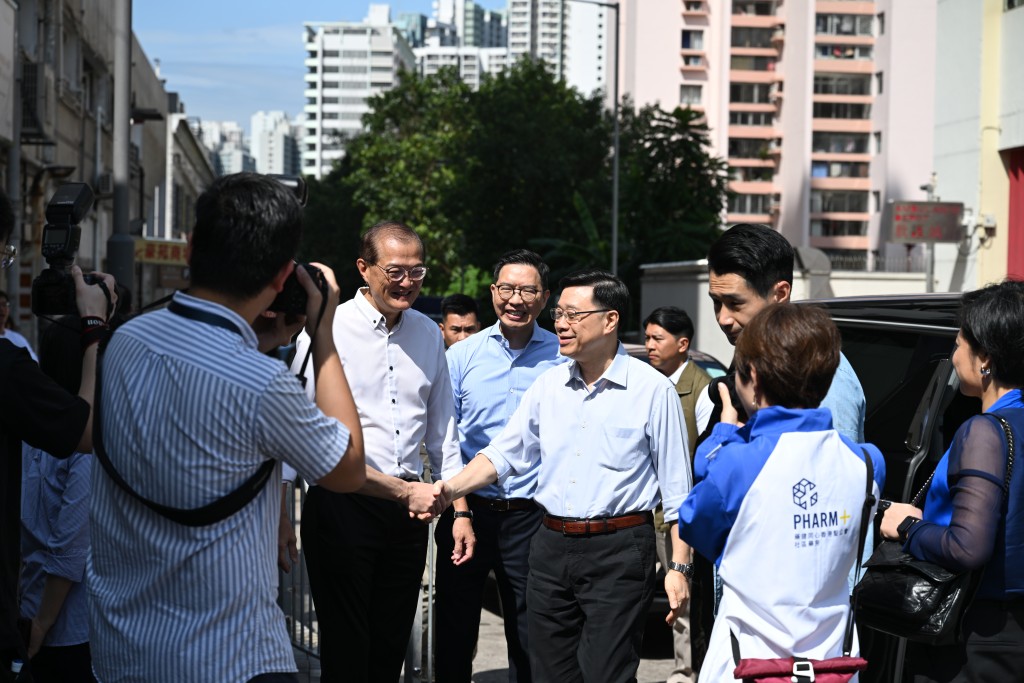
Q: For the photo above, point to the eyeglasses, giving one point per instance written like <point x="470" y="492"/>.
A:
<point x="573" y="316"/>
<point x="398" y="273"/>
<point x="7" y="256"/>
<point x="527" y="294"/>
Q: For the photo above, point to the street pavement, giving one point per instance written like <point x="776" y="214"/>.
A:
<point x="491" y="662"/>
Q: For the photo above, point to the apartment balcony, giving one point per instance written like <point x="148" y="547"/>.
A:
<point x="844" y="66"/>
<point x="750" y="76"/>
<point x="843" y="39"/>
<point x="860" y="184"/>
<point x="754" y="52"/>
<point x="841" y="125"/>
<point x="752" y="187"/>
<point x="845" y="242"/>
<point x="845" y="7"/>
<point x="694" y="61"/>
<point x="755" y="132"/>
<point x="755" y="21"/>
<point x="765" y="218"/>
<point x="693" y="9"/>
<point x="779" y="37"/>
<point x="840" y="216"/>
<point x="744" y="162"/>
<point x="752" y="106"/>
<point x="843" y="99"/>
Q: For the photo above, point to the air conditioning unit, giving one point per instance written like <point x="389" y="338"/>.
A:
<point x="39" y="103"/>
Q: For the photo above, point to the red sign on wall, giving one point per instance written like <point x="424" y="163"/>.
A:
<point x="918" y="222"/>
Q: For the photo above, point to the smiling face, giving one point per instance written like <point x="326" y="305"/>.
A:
<point x="665" y="351"/>
<point x="736" y="302"/>
<point x="515" y="316"/>
<point x="591" y="340"/>
<point x="391" y="298"/>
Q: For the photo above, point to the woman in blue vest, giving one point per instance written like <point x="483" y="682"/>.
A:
<point x="966" y="523"/>
<point x="780" y="508"/>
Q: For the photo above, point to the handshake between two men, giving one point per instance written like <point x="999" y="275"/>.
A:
<point x="427" y="501"/>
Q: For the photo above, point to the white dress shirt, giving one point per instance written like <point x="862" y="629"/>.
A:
<point x="400" y="383"/>
<point x="602" y="451"/>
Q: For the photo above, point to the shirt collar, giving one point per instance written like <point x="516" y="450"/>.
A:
<point x="1011" y="399"/>
<point x="244" y="328"/>
<point x="494" y="331"/>
<point x="616" y="373"/>
<point x="674" y="377"/>
<point x="372" y="315"/>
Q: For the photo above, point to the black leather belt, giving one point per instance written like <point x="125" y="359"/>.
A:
<point x="501" y="504"/>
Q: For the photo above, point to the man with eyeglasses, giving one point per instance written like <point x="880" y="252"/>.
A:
<point x="365" y="551"/>
<point x="12" y="335"/>
<point x="36" y="410"/>
<point x="492" y="529"/>
<point x="608" y="435"/>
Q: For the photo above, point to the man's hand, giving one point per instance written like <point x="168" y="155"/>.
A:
<point x="90" y="299"/>
<point x="465" y="540"/>
<point x="425" y="501"/>
<point x="677" y="587"/>
<point x="315" y="297"/>
<point x="274" y="329"/>
<point x="287" y="549"/>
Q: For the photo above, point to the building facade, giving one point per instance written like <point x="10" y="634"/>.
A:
<point x="816" y="105"/>
<point x="273" y="144"/>
<point x="346" y="64"/>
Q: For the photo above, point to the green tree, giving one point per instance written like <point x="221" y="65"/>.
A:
<point x="405" y="165"/>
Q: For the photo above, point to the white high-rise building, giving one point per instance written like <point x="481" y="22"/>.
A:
<point x="346" y="64"/>
<point x="226" y="142"/>
<point x="471" y="62"/>
<point x="539" y="28"/>
<point x="273" y="144"/>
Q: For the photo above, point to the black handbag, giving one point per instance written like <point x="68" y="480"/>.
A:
<point x="916" y="599"/>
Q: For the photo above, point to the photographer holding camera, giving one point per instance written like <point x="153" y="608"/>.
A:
<point x="36" y="410"/>
<point x="194" y="422"/>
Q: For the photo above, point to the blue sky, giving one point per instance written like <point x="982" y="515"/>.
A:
<point x="229" y="59"/>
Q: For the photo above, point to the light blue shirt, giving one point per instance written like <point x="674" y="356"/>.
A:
<point x="189" y="411"/>
<point x="55" y="538"/>
<point x="488" y="382"/>
<point x="601" y="451"/>
<point x="845" y="398"/>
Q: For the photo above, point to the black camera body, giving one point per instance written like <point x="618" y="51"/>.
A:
<point x="53" y="292"/>
<point x="292" y="298"/>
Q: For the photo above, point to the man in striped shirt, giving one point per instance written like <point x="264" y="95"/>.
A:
<point x="191" y="408"/>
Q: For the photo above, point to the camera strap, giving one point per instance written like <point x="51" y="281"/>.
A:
<point x="213" y="512"/>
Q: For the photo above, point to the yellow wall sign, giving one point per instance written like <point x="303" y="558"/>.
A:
<point x="161" y="252"/>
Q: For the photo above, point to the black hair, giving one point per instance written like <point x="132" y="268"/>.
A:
<point x="609" y="291"/>
<point x="369" y="247"/>
<point x="523" y="257"/>
<point x="991" y="320"/>
<point x="247" y="227"/>
<point x="757" y="253"/>
<point x="673" y="320"/>
<point x="458" y="304"/>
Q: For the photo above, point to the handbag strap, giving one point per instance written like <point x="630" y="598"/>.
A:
<point x="865" y="517"/>
<point x="917" y="499"/>
<point x="1010" y="451"/>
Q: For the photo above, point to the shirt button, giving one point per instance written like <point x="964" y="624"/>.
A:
<point x="397" y="432"/>
<point x="583" y="425"/>
<point x="577" y="454"/>
<point x="572" y="481"/>
<point x="392" y="400"/>
<point x="391" y="367"/>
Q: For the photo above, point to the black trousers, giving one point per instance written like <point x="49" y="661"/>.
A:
<point x="992" y="651"/>
<point x="63" y="664"/>
<point x="587" y="601"/>
<point x="502" y="545"/>
<point x="365" y="559"/>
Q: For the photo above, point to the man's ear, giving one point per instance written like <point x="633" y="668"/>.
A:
<point x="278" y="282"/>
<point x="781" y="292"/>
<point x="684" y="345"/>
<point x="611" y="321"/>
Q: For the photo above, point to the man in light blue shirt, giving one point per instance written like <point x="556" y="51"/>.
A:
<point x="491" y="530"/>
<point x="607" y="437"/>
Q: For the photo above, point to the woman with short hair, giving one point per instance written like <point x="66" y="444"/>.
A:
<point x="780" y="508"/>
<point x="966" y="523"/>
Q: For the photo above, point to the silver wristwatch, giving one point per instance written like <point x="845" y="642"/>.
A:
<point x="684" y="569"/>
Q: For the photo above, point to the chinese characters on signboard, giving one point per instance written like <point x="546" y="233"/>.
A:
<point x="920" y="222"/>
<point x="159" y="251"/>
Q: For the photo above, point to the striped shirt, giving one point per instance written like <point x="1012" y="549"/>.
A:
<point x="190" y="410"/>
